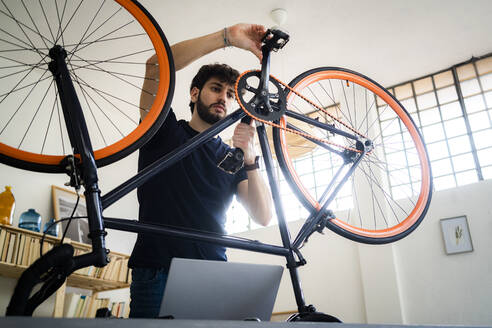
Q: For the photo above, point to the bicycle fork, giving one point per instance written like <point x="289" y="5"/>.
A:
<point x="80" y="141"/>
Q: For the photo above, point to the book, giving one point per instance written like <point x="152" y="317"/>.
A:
<point x="37" y="247"/>
<point x="18" y="248"/>
<point x="3" y="234"/>
<point x="123" y="271"/>
<point x="126" y="312"/>
<point x="116" y="271"/>
<point x="88" y="308"/>
<point x="11" y="247"/>
<point x="5" y="247"/>
<point x="80" y="306"/>
<point x="70" y="304"/>
<point x="27" y="247"/>
<point x="121" y="309"/>
<point x="85" y="307"/>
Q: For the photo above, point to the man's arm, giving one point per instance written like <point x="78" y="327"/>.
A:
<point x="244" y="36"/>
<point x="256" y="198"/>
<point x="253" y="193"/>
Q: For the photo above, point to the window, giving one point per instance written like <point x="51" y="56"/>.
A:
<point x="314" y="179"/>
<point x="453" y="110"/>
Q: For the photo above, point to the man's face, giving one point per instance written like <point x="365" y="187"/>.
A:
<point x="214" y="100"/>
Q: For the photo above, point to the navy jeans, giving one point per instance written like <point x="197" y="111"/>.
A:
<point x="146" y="292"/>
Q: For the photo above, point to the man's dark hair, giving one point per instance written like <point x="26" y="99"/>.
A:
<point x="223" y="72"/>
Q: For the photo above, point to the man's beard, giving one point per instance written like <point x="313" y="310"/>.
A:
<point x="206" y="113"/>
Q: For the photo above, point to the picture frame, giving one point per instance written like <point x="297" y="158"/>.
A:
<point x="456" y="235"/>
<point x="64" y="201"/>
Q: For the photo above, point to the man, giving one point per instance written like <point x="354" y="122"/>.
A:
<point x="194" y="193"/>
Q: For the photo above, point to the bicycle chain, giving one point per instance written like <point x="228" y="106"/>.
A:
<point x="291" y="130"/>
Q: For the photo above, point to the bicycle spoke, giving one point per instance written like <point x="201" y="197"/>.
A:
<point x="33" y="23"/>
<point x="57" y="101"/>
<point x="18" y="72"/>
<point x="46" y="20"/>
<point x="129" y="36"/>
<point x="59" y="33"/>
<point x="78" y="67"/>
<point x="104" y="22"/>
<point x="49" y="122"/>
<point x="111" y="60"/>
<point x="332" y="97"/>
<point x="87" y="29"/>
<point x="109" y="33"/>
<point x="367" y="113"/>
<point x="29" y="47"/>
<point x="387" y="199"/>
<point x="119" y="78"/>
<point x="346" y="101"/>
<point x="15" y="89"/>
<point x="68" y="23"/>
<point x="35" y="114"/>
<point x="84" y="93"/>
<point x="23" y="101"/>
<point x="24" y="32"/>
<point x="100" y="93"/>
<point x="354" y="190"/>
<point x="384" y="191"/>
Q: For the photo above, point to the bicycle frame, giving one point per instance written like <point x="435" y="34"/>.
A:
<point x="96" y="203"/>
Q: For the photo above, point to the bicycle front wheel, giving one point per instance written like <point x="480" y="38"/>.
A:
<point x="107" y="44"/>
<point x="389" y="192"/>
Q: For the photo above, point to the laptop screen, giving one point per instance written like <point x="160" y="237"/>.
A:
<point x="216" y="290"/>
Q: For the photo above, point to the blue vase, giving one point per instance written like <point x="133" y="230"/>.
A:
<point x="30" y="220"/>
<point x="53" y="230"/>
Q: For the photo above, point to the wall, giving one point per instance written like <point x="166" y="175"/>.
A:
<point x="449" y="289"/>
<point x="411" y="281"/>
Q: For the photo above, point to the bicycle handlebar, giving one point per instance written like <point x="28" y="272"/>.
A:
<point x="53" y="268"/>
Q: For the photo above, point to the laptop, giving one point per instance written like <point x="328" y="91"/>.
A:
<point x="217" y="290"/>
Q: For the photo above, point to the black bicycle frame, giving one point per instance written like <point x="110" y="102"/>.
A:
<point x="81" y="144"/>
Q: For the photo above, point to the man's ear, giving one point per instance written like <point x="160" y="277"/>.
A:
<point x="194" y="92"/>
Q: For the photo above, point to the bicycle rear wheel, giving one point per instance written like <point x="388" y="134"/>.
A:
<point x="107" y="44"/>
<point x="388" y="194"/>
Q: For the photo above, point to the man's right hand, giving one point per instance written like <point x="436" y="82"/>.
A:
<point x="247" y="37"/>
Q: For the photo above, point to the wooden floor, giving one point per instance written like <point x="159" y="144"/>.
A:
<point x="23" y="322"/>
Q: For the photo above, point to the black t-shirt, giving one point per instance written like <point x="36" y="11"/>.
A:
<point x="193" y="193"/>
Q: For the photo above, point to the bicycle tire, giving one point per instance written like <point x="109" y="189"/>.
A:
<point x="104" y="71"/>
<point x="391" y="211"/>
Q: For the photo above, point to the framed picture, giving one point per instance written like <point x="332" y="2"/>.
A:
<point x="64" y="201"/>
<point x="456" y="235"/>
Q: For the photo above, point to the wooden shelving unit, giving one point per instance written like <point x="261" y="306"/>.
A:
<point x="14" y="261"/>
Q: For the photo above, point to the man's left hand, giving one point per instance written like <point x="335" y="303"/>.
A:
<point x="243" y="138"/>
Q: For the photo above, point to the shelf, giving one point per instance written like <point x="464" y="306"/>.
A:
<point x="20" y="247"/>
<point x="74" y="280"/>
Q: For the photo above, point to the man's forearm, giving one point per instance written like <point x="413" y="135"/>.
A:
<point x="186" y="52"/>
<point x="259" y="199"/>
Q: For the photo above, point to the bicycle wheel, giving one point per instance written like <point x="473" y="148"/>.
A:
<point x="389" y="192"/>
<point x="107" y="45"/>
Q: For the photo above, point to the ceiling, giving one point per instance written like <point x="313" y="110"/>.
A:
<point x="390" y="41"/>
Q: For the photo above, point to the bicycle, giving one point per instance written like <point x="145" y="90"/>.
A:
<point x="347" y="119"/>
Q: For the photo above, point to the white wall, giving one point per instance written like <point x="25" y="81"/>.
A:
<point x="411" y="281"/>
<point x="456" y="289"/>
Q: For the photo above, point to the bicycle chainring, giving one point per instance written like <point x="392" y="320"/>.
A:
<point x="268" y="107"/>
